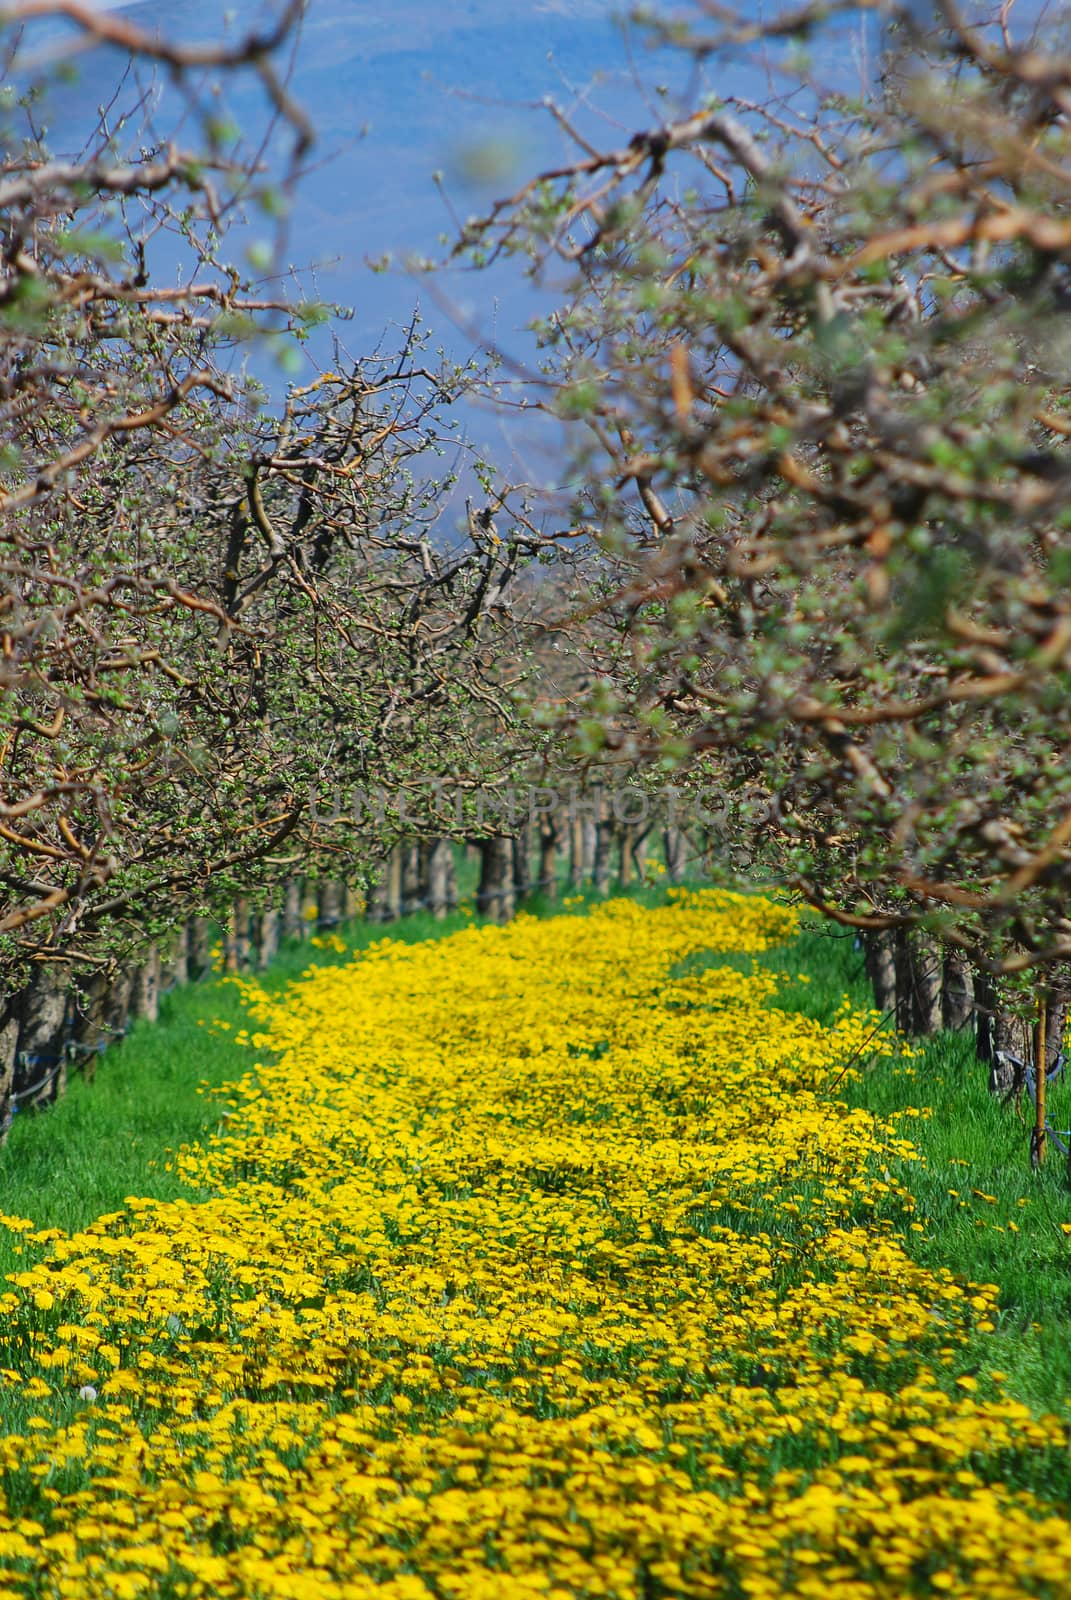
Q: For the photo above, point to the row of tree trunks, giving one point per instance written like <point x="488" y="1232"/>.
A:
<point x="420" y="875"/>
<point x="417" y="875"/>
<point x="925" y="988"/>
<point x="917" y="983"/>
<point x="594" y="844"/>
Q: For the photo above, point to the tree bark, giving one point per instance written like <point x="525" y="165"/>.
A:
<point x="40" y="1075"/>
<point x="117" y="1004"/>
<point x="293" y="926"/>
<point x="1012" y="1048"/>
<point x="439" y="860"/>
<point x="328" y="905"/>
<point x="87" y="1024"/>
<point x="673" y="843"/>
<point x="453" y="896"/>
<point x="602" y="863"/>
<point x="266" y="936"/>
<point x="394" y="885"/>
<point x="927" y="965"/>
<point x="174" y="967"/>
<point x="413" y="895"/>
<point x="880" y="955"/>
<point x="918" y="983"/>
<point x="384" y="898"/>
<point x="495" y="896"/>
<point x="9" y="1038"/>
<point x="985" y="1022"/>
<point x="198" y="946"/>
<point x="145" y="993"/>
<point x="236" y="937"/>
<point x="957" y="995"/>
<point x="626" y="869"/>
<point x="548" y="858"/>
<point x="522" y="862"/>
<point x="588" y="835"/>
<point x="576" y="852"/>
<point x="377" y="895"/>
<point x="1056" y="1027"/>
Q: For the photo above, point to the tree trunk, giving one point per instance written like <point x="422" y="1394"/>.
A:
<point x="522" y="862"/>
<point x="174" y="967"/>
<point x="394" y="885"/>
<point x="673" y="843"/>
<point x="413" y="895"/>
<point x="439" y="857"/>
<point x="487" y="887"/>
<point x="145" y="995"/>
<point x="957" y="995"/>
<point x="627" y="859"/>
<point x="9" y="1038"/>
<point x="293" y="927"/>
<point x="236" y="937"/>
<point x="1012" y="1049"/>
<point x="87" y="1024"/>
<point x="927" y="966"/>
<point x="588" y="832"/>
<point x="1056" y="1025"/>
<point x="377" y="895"/>
<point x="576" y="852"/>
<point x="453" y="896"/>
<point x="266" y="936"/>
<point x="602" y="863"/>
<point x="384" y="897"/>
<point x="880" y="954"/>
<point x="985" y="1023"/>
<point x="198" y="946"/>
<point x="328" y="905"/>
<point x="117" y="1003"/>
<point x="905" y="999"/>
<point x="918" y="983"/>
<point x="494" y="896"/>
<point x="40" y="1075"/>
<point x="548" y="859"/>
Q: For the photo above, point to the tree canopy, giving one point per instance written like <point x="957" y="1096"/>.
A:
<point x="811" y="333"/>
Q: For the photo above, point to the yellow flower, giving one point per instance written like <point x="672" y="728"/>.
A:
<point x="535" y="1261"/>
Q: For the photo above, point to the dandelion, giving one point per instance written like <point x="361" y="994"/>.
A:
<point x="528" y="1264"/>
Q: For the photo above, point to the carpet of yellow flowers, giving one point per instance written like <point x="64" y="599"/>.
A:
<point x="532" y="1264"/>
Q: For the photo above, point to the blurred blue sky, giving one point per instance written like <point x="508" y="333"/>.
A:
<point x="399" y="91"/>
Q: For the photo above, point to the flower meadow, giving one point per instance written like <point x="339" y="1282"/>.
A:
<point x="541" y="1260"/>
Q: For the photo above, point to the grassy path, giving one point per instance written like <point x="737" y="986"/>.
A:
<point x="542" y="1260"/>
